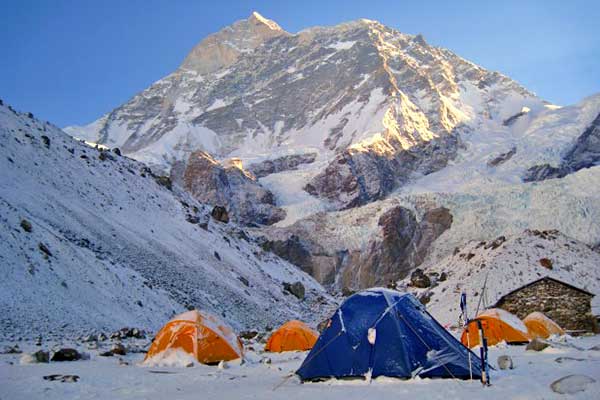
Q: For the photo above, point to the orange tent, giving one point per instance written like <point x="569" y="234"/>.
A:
<point x="498" y="325"/>
<point x="540" y="326"/>
<point x="292" y="336"/>
<point x="200" y="334"/>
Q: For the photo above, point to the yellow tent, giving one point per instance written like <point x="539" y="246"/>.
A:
<point x="200" y="334"/>
<point x="293" y="335"/>
<point x="498" y="325"/>
<point x="540" y="326"/>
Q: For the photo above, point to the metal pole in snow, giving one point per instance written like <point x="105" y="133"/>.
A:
<point x="463" y="307"/>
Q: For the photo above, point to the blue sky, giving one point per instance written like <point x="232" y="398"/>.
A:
<point x="72" y="61"/>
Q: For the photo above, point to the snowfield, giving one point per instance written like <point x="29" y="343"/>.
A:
<point x="105" y="378"/>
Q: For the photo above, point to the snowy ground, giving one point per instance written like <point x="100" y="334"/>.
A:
<point x="104" y="378"/>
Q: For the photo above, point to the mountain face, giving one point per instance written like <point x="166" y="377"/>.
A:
<point x="381" y="152"/>
<point x="91" y="240"/>
<point x="253" y="90"/>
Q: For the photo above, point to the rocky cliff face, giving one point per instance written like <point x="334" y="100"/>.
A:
<point x="399" y="242"/>
<point x="229" y="185"/>
<point x="585" y="153"/>
<point x="360" y="175"/>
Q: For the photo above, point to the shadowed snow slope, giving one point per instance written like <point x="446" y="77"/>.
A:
<point x="109" y="247"/>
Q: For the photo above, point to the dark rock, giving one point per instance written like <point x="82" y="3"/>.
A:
<point x="192" y="219"/>
<point x="536" y="345"/>
<point x="105" y="155"/>
<point x="118" y="349"/>
<point x="425" y="298"/>
<point x="511" y="120"/>
<point x="347" y="292"/>
<point x="217" y="256"/>
<point x="46" y="141"/>
<point x="443" y="276"/>
<point x="542" y="172"/>
<point x="62" y="378"/>
<point x="494" y="244"/>
<point x="296" y="288"/>
<point x="502" y="158"/>
<point x="546" y="263"/>
<point x="117" y="151"/>
<point x="244" y="281"/>
<point x="26" y="226"/>
<point x="66" y="354"/>
<point x="41" y="356"/>
<point x="419" y="279"/>
<point x="44" y="249"/>
<point x="248" y="334"/>
<point x="220" y="214"/>
<point x="12" y="350"/>
<point x="293" y="250"/>
<point x="164" y="181"/>
<point x="286" y="163"/>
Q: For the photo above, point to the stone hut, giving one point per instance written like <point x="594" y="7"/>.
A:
<point x="568" y="305"/>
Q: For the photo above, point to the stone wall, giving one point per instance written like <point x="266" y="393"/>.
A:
<point x="568" y="307"/>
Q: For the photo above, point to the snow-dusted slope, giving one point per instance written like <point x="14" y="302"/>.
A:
<point x="110" y="247"/>
<point x="508" y="263"/>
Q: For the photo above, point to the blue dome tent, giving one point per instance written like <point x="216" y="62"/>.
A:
<point x="380" y="332"/>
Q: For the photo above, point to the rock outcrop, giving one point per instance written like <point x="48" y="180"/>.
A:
<point x="230" y="186"/>
<point x="585" y="153"/>
<point x="401" y="244"/>
<point x="280" y="164"/>
<point x="362" y="174"/>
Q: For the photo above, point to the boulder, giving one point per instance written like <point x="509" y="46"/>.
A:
<point x="220" y="214"/>
<point x="296" y="288"/>
<point x="248" y="334"/>
<point x="505" y="362"/>
<point x="12" y="350"/>
<point x="62" y="378"/>
<point x="26" y="226"/>
<point x="46" y="141"/>
<point x="41" y="356"/>
<point x="118" y="349"/>
<point x="536" y="345"/>
<point x="418" y="279"/>
<point x="571" y="384"/>
<point x="66" y="354"/>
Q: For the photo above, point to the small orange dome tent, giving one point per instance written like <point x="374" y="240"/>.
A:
<point x="498" y="325"/>
<point x="540" y="326"/>
<point x="198" y="333"/>
<point x="292" y="336"/>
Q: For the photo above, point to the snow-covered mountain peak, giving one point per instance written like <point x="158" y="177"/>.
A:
<point x="223" y="48"/>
